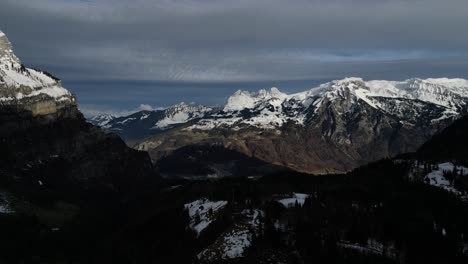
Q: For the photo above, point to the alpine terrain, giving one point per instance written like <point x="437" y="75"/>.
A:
<point x="54" y="166"/>
<point x="142" y="124"/>
<point x="335" y="127"/>
<point x="71" y="192"/>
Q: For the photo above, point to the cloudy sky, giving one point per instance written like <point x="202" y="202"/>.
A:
<point x="118" y="54"/>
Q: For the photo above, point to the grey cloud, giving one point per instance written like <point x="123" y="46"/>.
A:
<point x="238" y="41"/>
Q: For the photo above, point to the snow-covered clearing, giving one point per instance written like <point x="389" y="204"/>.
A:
<point x="437" y="178"/>
<point x="202" y="212"/>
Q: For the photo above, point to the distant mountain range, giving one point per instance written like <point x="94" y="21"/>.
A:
<point x="142" y="124"/>
<point x="336" y="126"/>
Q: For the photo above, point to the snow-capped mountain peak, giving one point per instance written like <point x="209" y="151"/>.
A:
<point x="408" y="102"/>
<point x="20" y="85"/>
<point x="243" y="99"/>
<point x="6" y="52"/>
<point x="449" y="93"/>
<point x="350" y="82"/>
<point x="271" y="108"/>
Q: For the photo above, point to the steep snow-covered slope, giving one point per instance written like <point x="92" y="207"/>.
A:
<point x="24" y="87"/>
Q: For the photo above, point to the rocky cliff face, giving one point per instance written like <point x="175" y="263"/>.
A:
<point x="24" y="89"/>
<point x="334" y="127"/>
<point x="59" y="175"/>
<point x="44" y="138"/>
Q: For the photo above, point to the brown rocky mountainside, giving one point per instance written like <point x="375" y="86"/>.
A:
<point x="335" y="127"/>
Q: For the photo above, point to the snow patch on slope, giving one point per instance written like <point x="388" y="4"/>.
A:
<point x="291" y="201"/>
<point x="180" y="114"/>
<point x="233" y="243"/>
<point x="202" y="212"/>
<point x="437" y="178"/>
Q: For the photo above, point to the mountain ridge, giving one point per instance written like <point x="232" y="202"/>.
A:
<point x="137" y="126"/>
<point x="336" y="126"/>
<point x="274" y="108"/>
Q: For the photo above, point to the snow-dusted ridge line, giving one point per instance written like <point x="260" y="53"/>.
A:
<point x="181" y="113"/>
<point x="414" y="88"/>
<point x="409" y="100"/>
<point x="272" y="108"/>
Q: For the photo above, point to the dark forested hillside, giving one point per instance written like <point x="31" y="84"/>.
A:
<point x="450" y="144"/>
<point x="405" y="210"/>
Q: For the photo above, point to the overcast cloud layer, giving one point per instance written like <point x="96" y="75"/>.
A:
<point x="118" y="54"/>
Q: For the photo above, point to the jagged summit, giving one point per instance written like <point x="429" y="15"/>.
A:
<point x="6" y="52"/>
<point x="27" y="89"/>
<point x="243" y="99"/>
